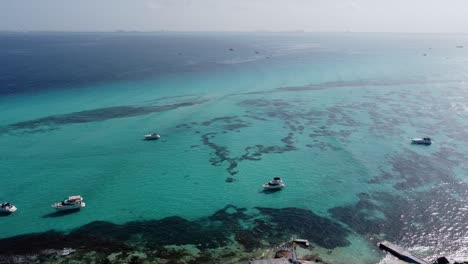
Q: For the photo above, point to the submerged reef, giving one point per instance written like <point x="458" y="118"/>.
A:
<point x="360" y="83"/>
<point x="295" y="122"/>
<point x="95" y="115"/>
<point x="222" y="154"/>
<point x="223" y="235"/>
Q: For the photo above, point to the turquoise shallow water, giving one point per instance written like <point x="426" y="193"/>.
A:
<point x="333" y="118"/>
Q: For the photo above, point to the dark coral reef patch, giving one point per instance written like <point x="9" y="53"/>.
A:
<point x="36" y="243"/>
<point x="266" y="227"/>
<point x="94" y="115"/>
<point x="306" y="224"/>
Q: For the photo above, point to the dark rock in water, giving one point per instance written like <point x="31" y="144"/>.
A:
<point x="229" y="179"/>
<point x="442" y="260"/>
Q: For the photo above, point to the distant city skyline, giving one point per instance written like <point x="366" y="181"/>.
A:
<point x="424" y="16"/>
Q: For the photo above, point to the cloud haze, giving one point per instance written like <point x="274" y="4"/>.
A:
<point x="236" y="15"/>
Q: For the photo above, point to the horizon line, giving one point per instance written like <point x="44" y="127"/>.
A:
<point x="217" y="31"/>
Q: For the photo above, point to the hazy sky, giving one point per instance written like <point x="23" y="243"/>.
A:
<point x="236" y="15"/>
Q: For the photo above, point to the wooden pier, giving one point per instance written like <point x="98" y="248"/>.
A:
<point x="400" y="253"/>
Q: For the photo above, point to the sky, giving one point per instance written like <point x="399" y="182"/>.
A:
<point x="447" y="16"/>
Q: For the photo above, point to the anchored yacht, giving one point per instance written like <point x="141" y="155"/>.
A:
<point x="73" y="202"/>
<point x="7" y="208"/>
<point x="152" y="136"/>
<point x="423" y="141"/>
<point x="276" y="183"/>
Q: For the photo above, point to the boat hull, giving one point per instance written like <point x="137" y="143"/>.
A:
<point x="11" y="210"/>
<point x="273" y="187"/>
<point x="421" y="142"/>
<point x="68" y="207"/>
<point x="152" y="137"/>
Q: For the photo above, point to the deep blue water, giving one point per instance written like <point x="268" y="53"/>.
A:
<point x="31" y="62"/>
<point x="35" y="61"/>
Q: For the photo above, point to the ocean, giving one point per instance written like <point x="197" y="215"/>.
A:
<point x="332" y="114"/>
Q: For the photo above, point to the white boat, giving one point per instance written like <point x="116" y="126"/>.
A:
<point x="7" y="208"/>
<point x="276" y="183"/>
<point x="72" y="203"/>
<point x="152" y="136"/>
<point x="423" y="141"/>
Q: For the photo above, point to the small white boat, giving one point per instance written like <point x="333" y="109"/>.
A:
<point x="276" y="183"/>
<point x="7" y="208"/>
<point x="423" y="141"/>
<point x="72" y="203"/>
<point x="152" y="136"/>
